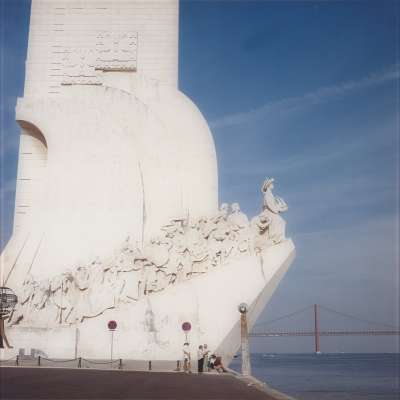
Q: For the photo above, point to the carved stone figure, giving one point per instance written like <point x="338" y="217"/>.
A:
<point x="218" y="237"/>
<point x="206" y="226"/>
<point x="182" y="261"/>
<point x="240" y="226"/>
<point x="131" y="289"/>
<point x="174" y="227"/>
<point x="42" y="294"/>
<point x="41" y="301"/>
<point x="58" y="289"/>
<point x="113" y="285"/>
<point x="25" y="298"/>
<point x="237" y="218"/>
<point x="259" y="225"/>
<point x="82" y="306"/>
<point x="148" y="278"/>
<point x="125" y="259"/>
<point x="223" y="213"/>
<point x="198" y="249"/>
<point x="128" y="264"/>
<point x="273" y="207"/>
<point x="157" y="252"/>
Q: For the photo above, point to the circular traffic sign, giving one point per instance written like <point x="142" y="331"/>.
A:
<point x="112" y="325"/>
<point x="186" y="326"/>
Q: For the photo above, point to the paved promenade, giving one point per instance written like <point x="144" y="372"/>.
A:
<point x="59" y="383"/>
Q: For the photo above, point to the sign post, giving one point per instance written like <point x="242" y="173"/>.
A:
<point x="186" y="327"/>
<point x="112" y="326"/>
<point x="244" y="339"/>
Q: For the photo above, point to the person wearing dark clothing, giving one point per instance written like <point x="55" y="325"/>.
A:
<point x="200" y="359"/>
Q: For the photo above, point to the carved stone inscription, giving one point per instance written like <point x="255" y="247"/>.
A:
<point x="114" y="51"/>
<point x="79" y="67"/>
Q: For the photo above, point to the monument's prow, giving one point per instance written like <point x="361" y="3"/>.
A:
<point x="116" y="210"/>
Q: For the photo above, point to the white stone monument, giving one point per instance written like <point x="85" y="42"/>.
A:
<point x="116" y="210"/>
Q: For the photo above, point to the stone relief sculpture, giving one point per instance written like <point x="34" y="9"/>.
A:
<point x="184" y="249"/>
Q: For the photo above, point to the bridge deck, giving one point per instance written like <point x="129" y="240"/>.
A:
<point x="327" y="333"/>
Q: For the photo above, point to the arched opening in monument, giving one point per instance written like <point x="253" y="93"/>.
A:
<point x="32" y="167"/>
<point x="33" y="131"/>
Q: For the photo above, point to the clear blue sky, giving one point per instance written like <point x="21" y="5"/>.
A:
<point x="307" y="92"/>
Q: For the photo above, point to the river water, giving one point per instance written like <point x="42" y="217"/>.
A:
<point x="329" y="376"/>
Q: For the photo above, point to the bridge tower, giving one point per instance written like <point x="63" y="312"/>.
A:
<point x="316" y="329"/>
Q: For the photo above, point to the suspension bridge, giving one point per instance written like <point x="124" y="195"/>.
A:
<point x="317" y="332"/>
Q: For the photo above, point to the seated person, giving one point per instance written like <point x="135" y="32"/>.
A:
<point x="211" y="361"/>
<point x="216" y="363"/>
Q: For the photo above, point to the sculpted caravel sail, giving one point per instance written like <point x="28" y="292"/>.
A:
<point x="116" y="210"/>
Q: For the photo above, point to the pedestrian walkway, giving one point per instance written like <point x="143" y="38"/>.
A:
<point x="74" y="384"/>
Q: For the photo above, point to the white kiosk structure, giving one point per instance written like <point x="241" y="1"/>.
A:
<point x="116" y="210"/>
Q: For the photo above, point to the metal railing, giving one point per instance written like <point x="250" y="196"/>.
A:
<point x="81" y="362"/>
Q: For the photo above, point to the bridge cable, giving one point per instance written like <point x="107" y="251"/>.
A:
<point x="356" y="318"/>
<point x="283" y="317"/>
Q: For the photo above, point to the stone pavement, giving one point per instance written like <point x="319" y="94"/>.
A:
<point x="59" y="383"/>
